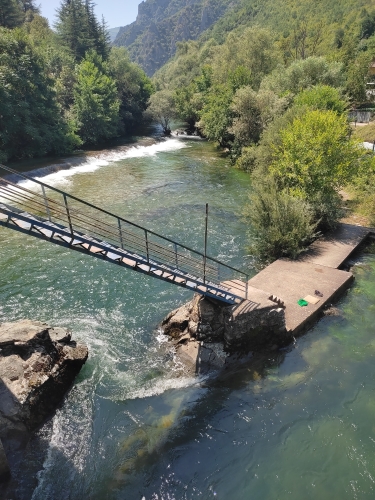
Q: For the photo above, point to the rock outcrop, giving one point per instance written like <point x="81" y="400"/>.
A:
<point x="160" y="24"/>
<point x="38" y="364"/>
<point x="199" y="326"/>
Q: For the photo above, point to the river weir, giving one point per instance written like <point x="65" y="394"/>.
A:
<point x="294" y="424"/>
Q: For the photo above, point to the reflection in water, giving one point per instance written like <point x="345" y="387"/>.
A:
<point x="292" y="424"/>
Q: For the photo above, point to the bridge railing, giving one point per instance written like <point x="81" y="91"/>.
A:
<point x="41" y="200"/>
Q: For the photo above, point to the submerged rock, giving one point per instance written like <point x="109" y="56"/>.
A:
<point x="38" y="364"/>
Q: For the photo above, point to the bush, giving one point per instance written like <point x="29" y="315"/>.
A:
<point x="314" y="160"/>
<point x="280" y="225"/>
<point x="327" y="210"/>
<point x="247" y="160"/>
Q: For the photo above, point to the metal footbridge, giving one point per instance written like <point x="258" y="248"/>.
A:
<point x="31" y="207"/>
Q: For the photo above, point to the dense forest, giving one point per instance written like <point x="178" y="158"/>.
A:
<point x="63" y="88"/>
<point x="272" y="83"/>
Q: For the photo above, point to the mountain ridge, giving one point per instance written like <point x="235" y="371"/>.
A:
<point x="152" y="39"/>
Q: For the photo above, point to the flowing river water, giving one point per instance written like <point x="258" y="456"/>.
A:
<point x="295" y="425"/>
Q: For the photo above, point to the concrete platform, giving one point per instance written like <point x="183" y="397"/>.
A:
<point x="334" y="248"/>
<point x="255" y="295"/>
<point x="316" y="270"/>
<point x="293" y="280"/>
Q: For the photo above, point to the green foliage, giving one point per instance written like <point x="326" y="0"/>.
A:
<point x="79" y="31"/>
<point x="96" y="105"/>
<point x="367" y="24"/>
<point x="30" y="120"/>
<point x="253" y="111"/>
<point x="251" y="51"/>
<point x="50" y="104"/>
<point x="162" y="109"/>
<point x="187" y="108"/>
<point x="280" y="224"/>
<point x="315" y="159"/>
<point x="358" y="77"/>
<point x="303" y="74"/>
<point x="215" y="117"/>
<point x="322" y="97"/>
<point x="270" y="142"/>
<point x="248" y="159"/>
<point x="10" y="13"/>
<point x="133" y="86"/>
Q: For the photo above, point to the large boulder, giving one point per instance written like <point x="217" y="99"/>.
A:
<point x="38" y="364"/>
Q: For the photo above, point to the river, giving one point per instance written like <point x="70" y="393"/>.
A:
<point x="297" y="424"/>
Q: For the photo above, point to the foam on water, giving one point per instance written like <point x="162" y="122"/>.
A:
<point x="155" y="388"/>
<point x="61" y="173"/>
<point x="70" y="438"/>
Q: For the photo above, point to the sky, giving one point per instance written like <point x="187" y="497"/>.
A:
<point x="116" y="12"/>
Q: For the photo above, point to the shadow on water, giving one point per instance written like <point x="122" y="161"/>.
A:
<point x="186" y="416"/>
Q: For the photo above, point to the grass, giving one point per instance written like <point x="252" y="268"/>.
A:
<point x="365" y="133"/>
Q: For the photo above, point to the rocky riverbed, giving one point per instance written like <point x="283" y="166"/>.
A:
<point x="38" y="364"/>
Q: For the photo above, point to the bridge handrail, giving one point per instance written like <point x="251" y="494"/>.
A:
<point x="119" y="218"/>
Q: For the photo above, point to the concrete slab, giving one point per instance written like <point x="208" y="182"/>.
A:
<point x="255" y="295"/>
<point x="292" y="280"/>
<point x="334" y="248"/>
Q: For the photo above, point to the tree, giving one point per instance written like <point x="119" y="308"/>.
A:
<point x="79" y="30"/>
<point x="279" y="224"/>
<point x="31" y="124"/>
<point x="98" y="38"/>
<point x="134" y="87"/>
<point x="322" y="97"/>
<point x="162" y="110"/>
<point x="253" y="111"/>
<point x="96" y="105"/>
<point x="315" y="159"/>
<point x="216" y="116"/>
<point x="304" y="74"/>
<point x="253" y="50"/>
<point x="10" y="14"/>
<point x="357" y="77"/>
<point x="367" y="27"/>
<point x="29" y="9"/>
<point x="28" y="5"/>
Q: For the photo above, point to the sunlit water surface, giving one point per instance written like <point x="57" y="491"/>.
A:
<point x="298" y="425"/>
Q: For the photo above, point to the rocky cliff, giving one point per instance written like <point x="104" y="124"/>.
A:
<point x="160" y="24"/>
<point x="38" y="364"/>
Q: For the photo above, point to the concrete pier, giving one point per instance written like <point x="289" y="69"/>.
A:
<point x="317" y="270"/>
<point x="271" y="315"/>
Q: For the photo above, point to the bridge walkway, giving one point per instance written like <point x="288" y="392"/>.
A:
<point x="34" y="208"/>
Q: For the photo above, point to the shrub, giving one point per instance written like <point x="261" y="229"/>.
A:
<point x="280" y="225"/>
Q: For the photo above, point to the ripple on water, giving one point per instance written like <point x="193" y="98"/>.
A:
<point x="295" y="424"/>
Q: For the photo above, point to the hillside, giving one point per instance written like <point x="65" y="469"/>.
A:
<point x="113" y="33"/>
<point x="160" y="24"/>
<point x="301" y="29"/>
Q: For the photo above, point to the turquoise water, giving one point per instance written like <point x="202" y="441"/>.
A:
<point x="298" y="424"/>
